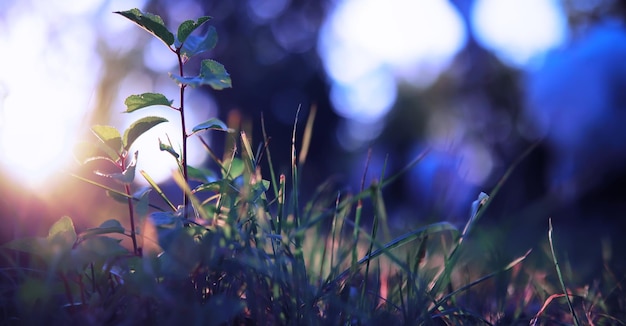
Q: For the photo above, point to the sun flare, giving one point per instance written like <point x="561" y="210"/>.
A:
<point x="35" y="139"/>
<point x="46" y="78"/>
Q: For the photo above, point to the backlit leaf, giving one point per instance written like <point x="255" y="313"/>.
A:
<point x="64" y="227"/>
<point x="61" y="236"/>
<point x="213" y="123"/>
<point x="111" y="138"/>
<point x="195" y="45"/>
<point x="136" y="102"/>
<point x="151" y="23"/>
<point x="108" y="226"/>
<point x="187" y="27"/>
<point x="212" y="73"/>
<point x="138" y="128"/>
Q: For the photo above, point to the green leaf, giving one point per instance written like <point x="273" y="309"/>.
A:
<point x="112" y="224"/>
<point x="212" y="73"/>
<point x="61" y="238"/>
<point x="116" y="196"/>
<point x="199" y="44"/>
<point x="197" y="174"/>
<point x="168" y="148"/>
<point x="141" y="206"/>
<point x="108" y="226"/>
<point x="151" y="23"/>
<point x="138" y="128"/>
<point x="63" y="228"/>
<point x="111" y="138"/>
<point x="136" y="102"/>
<point x="187" y="27"/>
<point x="213" y="123"/>
<point x="233" y="168"/>
<point x="98" y="250"/>
<point x="126" y="177"/>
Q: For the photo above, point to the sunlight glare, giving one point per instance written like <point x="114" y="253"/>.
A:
<point x="48" y="78"/>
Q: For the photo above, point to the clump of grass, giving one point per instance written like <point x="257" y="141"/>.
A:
<point x="245" y="248"/>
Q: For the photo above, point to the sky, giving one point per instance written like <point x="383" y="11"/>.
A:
<point x="50" y="66"/>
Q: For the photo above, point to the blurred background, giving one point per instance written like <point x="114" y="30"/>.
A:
<point x="476" y="82"/>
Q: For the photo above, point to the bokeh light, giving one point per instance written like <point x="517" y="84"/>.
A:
<point x="518" y="31"/>
<point x="368" y="46"/>
<point x="576" y="101"/>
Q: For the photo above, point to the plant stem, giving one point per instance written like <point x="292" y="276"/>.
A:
<point x="183" y="161"/>
<point x="131" y="212"/>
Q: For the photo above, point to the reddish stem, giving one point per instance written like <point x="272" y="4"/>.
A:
<point x="131" y="210"/>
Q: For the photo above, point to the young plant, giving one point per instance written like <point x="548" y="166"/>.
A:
<point x="116" y="149"/>
<point x="65" y="253"/>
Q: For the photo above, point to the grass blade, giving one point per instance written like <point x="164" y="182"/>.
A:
<point x="306" y="138"/>
<point x="395" y="243"/>
<point x="116" y="192"/>
<point x="560" y="276"/>
<point x="156" y="187"/>
<point x="482" y="279"/>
